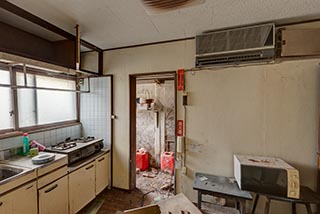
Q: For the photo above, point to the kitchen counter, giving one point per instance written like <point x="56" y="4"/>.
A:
<point x="30" y="171"/>
<point x="87" y="160"/>
<point x="25" y="161"/>
<point x="36" y="171"/>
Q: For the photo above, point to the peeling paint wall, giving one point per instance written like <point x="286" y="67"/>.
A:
<point x="147" y="131"/>
<point x="262" y="109"/>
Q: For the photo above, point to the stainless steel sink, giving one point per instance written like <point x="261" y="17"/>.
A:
<point x="8" y="172"/>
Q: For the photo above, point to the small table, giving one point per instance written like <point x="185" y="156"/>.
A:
<point x="307" y="197"/>
<point x="220" y="186"/>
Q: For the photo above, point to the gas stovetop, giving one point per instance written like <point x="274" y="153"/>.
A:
<point x="70" y="143"/>
<point x="77" y="149"/>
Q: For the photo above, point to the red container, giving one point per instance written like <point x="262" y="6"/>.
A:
<point x="142" y="160"/>
<point x="167" y="162"/>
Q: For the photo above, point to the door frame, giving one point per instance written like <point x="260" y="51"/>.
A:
<point x="133" y="116"/>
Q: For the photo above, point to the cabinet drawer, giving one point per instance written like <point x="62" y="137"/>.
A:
<point x="81" y="187"/>
<point x="55" y="175"/>
<point x="102" y="172"/>
<point x="53" y="166"/>
<point x="53" y="198"/>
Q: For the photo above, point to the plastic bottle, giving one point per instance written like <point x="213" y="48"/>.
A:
<point x="25" y="146"/>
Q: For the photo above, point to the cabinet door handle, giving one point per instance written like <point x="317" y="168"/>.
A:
<point x="89" y="167"/>
<point x="101" y="160"/>
<point x="29" y="187"/>
<point x="51" y="188"/>
<point x="1" y="204"/>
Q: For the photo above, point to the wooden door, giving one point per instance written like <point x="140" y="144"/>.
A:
<point x="102" y="172"/>
<point x="25" y="199"/>
<point x="53" y="198"/>
<point x="6" y="204"/>
<point x="81" y="187"/>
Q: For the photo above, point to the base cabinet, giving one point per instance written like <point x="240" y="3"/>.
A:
<point x="21" y="200"/>
<point x="81" y="187"/>
<point x="102" y="172"/>
<point x="53" y="198"/>
<point x="6" y="204"/>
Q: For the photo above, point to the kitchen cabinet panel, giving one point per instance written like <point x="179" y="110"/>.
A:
<point x="6" y="204"/>
<point x="102" y="172"/>
<point x="53" y="198"/>
<point x="81" y="187"/>
<point x="26" y="196"/>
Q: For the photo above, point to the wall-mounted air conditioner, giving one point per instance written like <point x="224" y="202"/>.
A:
<point x="233" y="46"/>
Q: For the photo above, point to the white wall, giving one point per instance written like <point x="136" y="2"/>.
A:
<point x="121" y="63"/>
<point x="262" y="109"/>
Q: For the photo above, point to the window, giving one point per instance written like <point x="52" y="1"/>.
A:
<point x="6" y="105"/>
<point x="55" y="106"/>
<point x="39" y="104"/>
<point x="40" y="107"/>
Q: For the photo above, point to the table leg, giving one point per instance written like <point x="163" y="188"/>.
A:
<point x="199" y="199"/>
<point x="267" y="206"/>
<point x="256" y="199"/>
<point x="294" y="208"/>
<point x="308" y="207"/>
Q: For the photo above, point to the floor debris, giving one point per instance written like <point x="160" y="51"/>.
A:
<point x="156" y="184"/>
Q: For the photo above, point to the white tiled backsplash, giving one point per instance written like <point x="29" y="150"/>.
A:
<point x="46" y="138"/>
<point x="95" y="111"/>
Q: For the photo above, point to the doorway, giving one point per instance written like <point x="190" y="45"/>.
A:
<point x="152" y="134"/>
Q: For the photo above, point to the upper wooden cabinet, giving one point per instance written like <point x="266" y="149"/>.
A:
<point x="22" y="43"/>
<point x="27" y="35"/>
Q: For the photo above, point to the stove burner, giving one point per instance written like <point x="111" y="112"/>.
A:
<point x="69" y="143"/>
<point x="64" y="145"/>
<point x="83" y="140"/>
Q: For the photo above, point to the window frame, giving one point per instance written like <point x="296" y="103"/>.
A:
<point x="17" y="130"/>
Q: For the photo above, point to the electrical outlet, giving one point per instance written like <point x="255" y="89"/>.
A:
<point x="184" y="170"/>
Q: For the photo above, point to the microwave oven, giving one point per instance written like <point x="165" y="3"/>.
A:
<point x="266" y="175"/>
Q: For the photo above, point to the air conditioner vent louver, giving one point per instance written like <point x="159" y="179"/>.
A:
<point x="235" y="45"/>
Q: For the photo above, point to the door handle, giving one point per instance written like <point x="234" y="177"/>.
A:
<point x="50" y="189"/>
<point x="29" y="187"/>
<point x="89" y="167"/>
<point x="101" y="160"/>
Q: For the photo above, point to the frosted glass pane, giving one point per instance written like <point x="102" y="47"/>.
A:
<point x="6" y="121"/>
<point x="27" y="107"/>
<point x="30" y="79"/>
<point x="4" y="77"/>
<point x="27" y="101"/>
<point x="49" y="82"/>
<point x="55" y="106"/>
